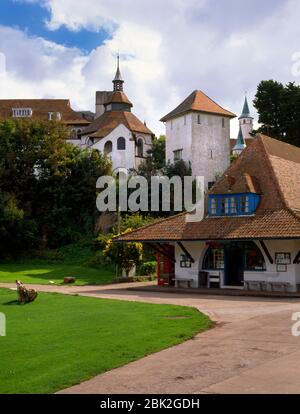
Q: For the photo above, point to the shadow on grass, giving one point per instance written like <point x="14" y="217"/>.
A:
<point x="12" y="303"/>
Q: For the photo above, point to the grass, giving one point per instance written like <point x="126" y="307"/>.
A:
<point x="54" y="265"/>
<point x="43" y="273"/>
<point x="59" y="340"/>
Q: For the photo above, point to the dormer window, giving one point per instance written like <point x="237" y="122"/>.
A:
<point x="21" y="112"/>
<point x="54" y="116"/>
<point x="233" y="204"/>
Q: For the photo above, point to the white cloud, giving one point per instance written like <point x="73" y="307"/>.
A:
<point x="168" y="49"/>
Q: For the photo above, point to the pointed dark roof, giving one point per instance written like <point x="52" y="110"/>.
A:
<point x="240" y="142"/>
<point x="198" y="101"/>
<point x="246" y="110"/>
<point x="118" y="76"/>
<point x="268" y="167"/>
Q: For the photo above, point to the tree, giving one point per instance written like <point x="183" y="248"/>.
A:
<point x="126" y="255"/>
<point x="52" y="182"/>
<point x="158" y="152"/>
<point x="278" y="107"/>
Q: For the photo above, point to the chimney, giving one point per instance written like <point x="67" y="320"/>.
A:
<point x="101" y="98"/>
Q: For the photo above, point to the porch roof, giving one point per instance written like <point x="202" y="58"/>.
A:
<point x="268" y="167"/>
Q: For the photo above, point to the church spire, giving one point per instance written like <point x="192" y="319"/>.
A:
<point x="246" y="110"/>
<point x="118" y="81"/>
<point x="240" y="143"/>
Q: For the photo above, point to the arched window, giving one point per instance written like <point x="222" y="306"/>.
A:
<point x="73" y="134"/>
<point x="254" y="259"/>
<point x="121" y="143"/>
<point x="108" y="147"/>
<point x="140" y="148"/>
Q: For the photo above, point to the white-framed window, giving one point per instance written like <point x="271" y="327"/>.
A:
<point x="177" y="155"/>
<point x="54" y="116"/>
<point x="21" y="112"/>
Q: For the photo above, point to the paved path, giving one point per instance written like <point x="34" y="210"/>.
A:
<point x="251" y="350"/>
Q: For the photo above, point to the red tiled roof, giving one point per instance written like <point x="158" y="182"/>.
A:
<point x="259" y="169"/>
<point x="41" y="108"/>
<point x="198" y="101"/>
<point x="119" y="97"/>
<point x="108" y="121"/>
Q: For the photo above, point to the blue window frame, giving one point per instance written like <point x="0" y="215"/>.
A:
<point x="233" y="204"/>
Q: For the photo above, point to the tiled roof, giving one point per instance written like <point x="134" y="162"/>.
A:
<point x="259" y="169"/>
<point x="118" y="97"/>
<point x="41" y="108"/>
<point x="265" y="225"/>
<point x="198" y="101"/>
<point x="108" y="121"/>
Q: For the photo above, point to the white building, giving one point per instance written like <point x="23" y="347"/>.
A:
<point x="116" y="130"/>
<point x="250" y="235"/>
<point x="245" y="129"/>
<point x="198" y="132"/>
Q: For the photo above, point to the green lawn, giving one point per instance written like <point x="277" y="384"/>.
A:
<point x="59" y="340"/>
<point x="43" y="273"/>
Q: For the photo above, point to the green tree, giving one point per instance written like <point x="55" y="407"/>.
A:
<point x="158" y="152"/>
<point x="126" y="255"/>
<point x="52" y="182"/>
<point x="278" y="107"/>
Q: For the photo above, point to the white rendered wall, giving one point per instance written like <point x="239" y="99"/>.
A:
<point x="124" y="158"/>
<point x="120" y="158"/>
<point x="292" y="276"/>
<point x="246" y="126"/>
<point x="205" y="145"/>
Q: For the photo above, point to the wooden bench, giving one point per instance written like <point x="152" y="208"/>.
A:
<point x="283" y="285"/>
<point x="259" y="284"/>
<point x="179" y="280"/>
<point x="262" y="284"/>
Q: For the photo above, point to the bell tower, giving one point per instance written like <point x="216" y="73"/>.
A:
<point x="246" y="121"/>
<point x="118" y="81"/>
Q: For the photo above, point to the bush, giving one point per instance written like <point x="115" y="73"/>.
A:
<point x="102" y="239"/>
<point x="50" y="256"/>
<point x="147" y="269"/>
<point x="98" y="261"/>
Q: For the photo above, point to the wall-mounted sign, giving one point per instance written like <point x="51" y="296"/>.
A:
<point x="281" y="268"/>
<point x="283" y="258"/>
<point x="185" y="261"/>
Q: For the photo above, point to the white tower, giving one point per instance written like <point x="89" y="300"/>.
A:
<point x="246" y="121"/>
<point x="198" y="132"/>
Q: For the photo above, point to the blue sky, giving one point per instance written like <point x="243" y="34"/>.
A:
<point x="32" y="17"/>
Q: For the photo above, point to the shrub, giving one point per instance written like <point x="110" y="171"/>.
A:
<point x="98" y="261"/>
<point x="50" y="256"/>
<point x="147" y="269"/>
